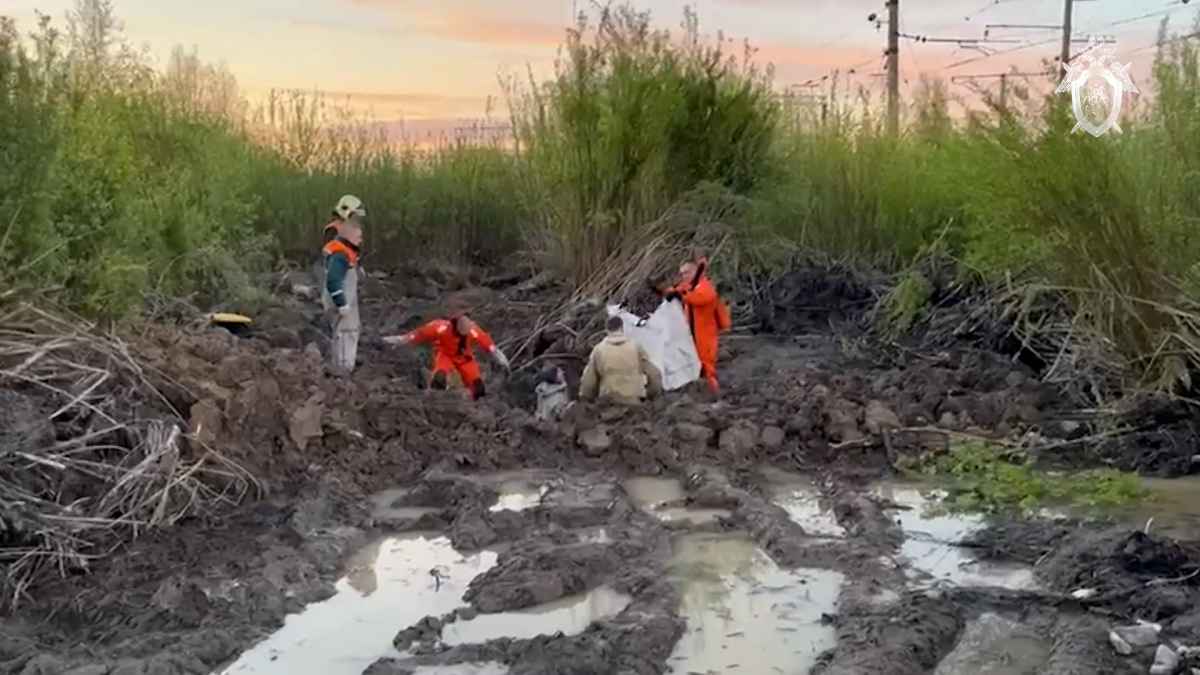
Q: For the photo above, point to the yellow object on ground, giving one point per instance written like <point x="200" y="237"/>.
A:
<point x="224" y="317"/>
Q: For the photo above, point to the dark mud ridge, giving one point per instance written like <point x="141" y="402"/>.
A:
<point x="855" y="572"/>
<point x="578" y="533"/>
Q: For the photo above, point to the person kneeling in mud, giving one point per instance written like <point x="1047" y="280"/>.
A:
<point x="452" y="340"/>
<point x="618" y="370"/>
<point x="553" y="399"/>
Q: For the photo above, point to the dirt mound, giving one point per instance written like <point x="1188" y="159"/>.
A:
<point x="90" y="453"/>
<point x="1164" y="440"/>
<point x="810" y="299"/>
<point x="1148" y="576"/>
<point x="277" y="413"/>
<point x="1160" y="576"/>
<point x="182" y="602"/>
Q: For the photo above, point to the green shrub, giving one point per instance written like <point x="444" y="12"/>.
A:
<point x="118" y="181"/>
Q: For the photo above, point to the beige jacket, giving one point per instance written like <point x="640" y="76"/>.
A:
<point x="619" y="371"/>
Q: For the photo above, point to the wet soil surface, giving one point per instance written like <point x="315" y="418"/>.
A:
<point x="190" y="599"/>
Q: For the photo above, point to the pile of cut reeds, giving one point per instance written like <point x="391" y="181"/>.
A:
<point x="92" y="454"/>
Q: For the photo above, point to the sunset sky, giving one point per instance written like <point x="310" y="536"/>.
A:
<point x="421" y="59"/>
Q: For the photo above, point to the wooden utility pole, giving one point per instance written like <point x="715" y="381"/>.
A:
<point x="893" y="65"/>
<point x="1068" y="10"/>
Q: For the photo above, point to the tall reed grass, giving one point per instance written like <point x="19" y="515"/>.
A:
<point x="121" y="181"/>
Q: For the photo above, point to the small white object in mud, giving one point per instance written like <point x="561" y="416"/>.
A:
<point x="1166" y="661"/>
<point x="518" y="496"/>
<point x="1141" y="635"/>
<point x="1083" y="593"/>
<point x="1119" y="644"/>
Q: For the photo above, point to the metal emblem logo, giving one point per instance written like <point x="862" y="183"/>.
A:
<point x="1105" y="81"/>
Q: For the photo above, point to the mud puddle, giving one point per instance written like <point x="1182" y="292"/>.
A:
<point x="994" y="645"/>
<point x="519" y="494"/>
<point x="665" y="498"/>
<point x="800" y="498"/>
<point x="383" y="507"/>
<point x="570" y="616"/>
<point x="461" y="669"/>
<point x="1173" y="504"/>
<point x="930" y="544"/>
<point x="389" y="585"/>
<point x="744" y="614"/>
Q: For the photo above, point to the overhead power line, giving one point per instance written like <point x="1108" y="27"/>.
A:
<point x="1172" y="7"/>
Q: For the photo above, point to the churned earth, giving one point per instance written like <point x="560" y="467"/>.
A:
<point x="407" y="531"/>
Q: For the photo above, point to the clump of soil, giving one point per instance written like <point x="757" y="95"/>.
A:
<point x="187" y="600"/>
<point x="272" y="412"/>
<point x="1146" y="575"/>
<point x="810" y="300"/>
<point x="908" y="637"/>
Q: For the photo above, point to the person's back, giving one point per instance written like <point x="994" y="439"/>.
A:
<point x="618" y="370"/>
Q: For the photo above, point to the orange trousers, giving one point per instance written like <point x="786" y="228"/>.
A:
<point x="707" y="351"/>
<point x="467" y="369"/>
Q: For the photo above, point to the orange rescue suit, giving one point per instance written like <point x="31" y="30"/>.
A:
<point x="706" y="316"/>
<point x="453" y="351"/>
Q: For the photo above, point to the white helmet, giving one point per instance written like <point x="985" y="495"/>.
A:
<point x="348" y="206"/>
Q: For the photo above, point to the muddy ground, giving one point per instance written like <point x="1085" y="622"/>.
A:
<point x="803" y="392"/>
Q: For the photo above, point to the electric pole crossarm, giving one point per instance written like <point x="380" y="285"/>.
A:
<point x="993" y="76"/>
<point x="1030" y="26"/>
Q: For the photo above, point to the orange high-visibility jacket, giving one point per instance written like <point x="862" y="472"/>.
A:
<point x="448" y="344"/>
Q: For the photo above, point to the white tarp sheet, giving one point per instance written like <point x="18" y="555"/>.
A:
<point x="668" y="342"/>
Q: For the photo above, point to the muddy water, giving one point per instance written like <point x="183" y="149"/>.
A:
<point x="1174" y="505"/>
<point x="930" y="542"/>
<point x="383" y="508"/>
<point x="744" y="614"/>
<point x="663" y="497"/>
<point x="994" y="645"/>
<point x="650" y="492"/>
<point x="569" y="615"/>
<point x="389" y="586"/>
<point x="799" y="497"/>
<point x="518" y="494"/>
<point x="462" y="669"/>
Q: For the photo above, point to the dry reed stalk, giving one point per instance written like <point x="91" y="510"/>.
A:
<point x="646" y="251"/>
<point x="125" y="474"/>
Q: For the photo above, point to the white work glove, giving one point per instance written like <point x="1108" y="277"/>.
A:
<point x="345" y="310"/>
<point x="395" y="340"/>
<point x="501" y="358"/>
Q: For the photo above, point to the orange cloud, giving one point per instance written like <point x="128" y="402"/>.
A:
<point x="467" y="26"/>
<point x="467" y="22"/>
<point x="389" y="105"/>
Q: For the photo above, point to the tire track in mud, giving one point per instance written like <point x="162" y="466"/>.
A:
<point x="880" y="628"/>
<point x="545" y="560"/>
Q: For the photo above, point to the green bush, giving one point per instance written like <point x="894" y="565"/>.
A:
<point x="118" y="181"/>
<point x="632" y="122"/>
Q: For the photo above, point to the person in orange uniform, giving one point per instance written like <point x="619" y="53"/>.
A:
<point x="452" y="340"/>
<point x="706" y="314"/>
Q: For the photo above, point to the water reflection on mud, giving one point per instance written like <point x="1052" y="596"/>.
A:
<point x="744" y="614"/>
